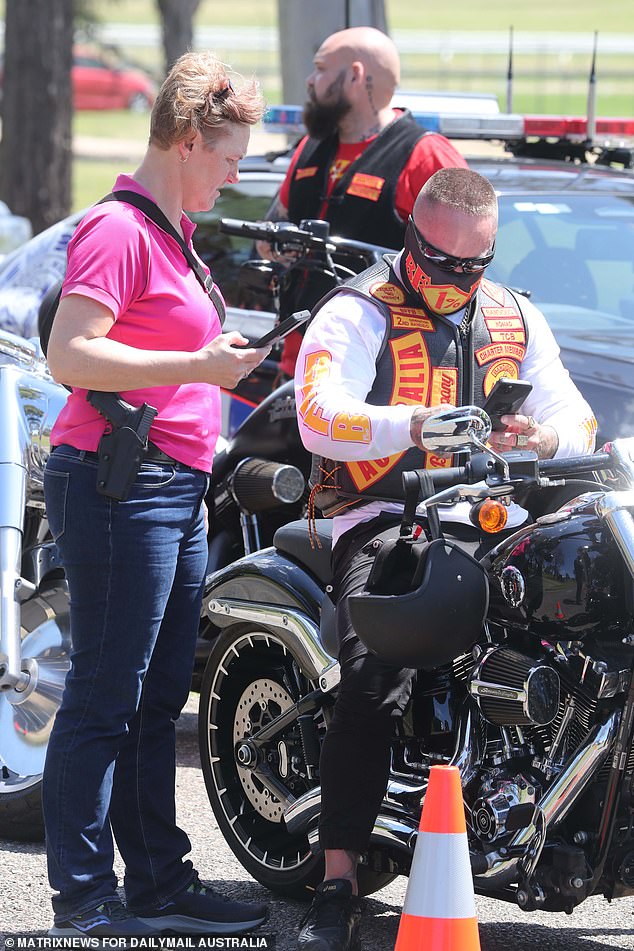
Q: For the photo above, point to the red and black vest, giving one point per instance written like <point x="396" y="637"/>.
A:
<point x="425" y="359"/>
<point x="361" y="204"/>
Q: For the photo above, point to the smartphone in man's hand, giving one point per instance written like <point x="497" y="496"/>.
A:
<point x="505" y="399"/>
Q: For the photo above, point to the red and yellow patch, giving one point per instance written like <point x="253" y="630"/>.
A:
<point x="495" y="351"/>
<point x="412" y="378"/>
<point x="316" y="367"/>
<point x="444" y="386"/>
<point x="307" y="172"/>
<point x="498" y="369"/>
<point x="440" y="298"/>
<point x="365" y="186"/>
<point x="351" y="427"/>
<point x="388" y="293"/>
<point x="366" y="473"/>
<point x="500" y="312"/>
<point x="433" y="461"/>
<point x="412" y="371"/>
<point x="411" y="318"/>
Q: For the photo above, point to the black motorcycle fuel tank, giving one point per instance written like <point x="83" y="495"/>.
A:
<point x="563" y="578"/>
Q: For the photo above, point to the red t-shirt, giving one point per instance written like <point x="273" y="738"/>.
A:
<point x="430" y="153"/>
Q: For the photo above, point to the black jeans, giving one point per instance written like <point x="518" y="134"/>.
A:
<point x="355" y="757"/>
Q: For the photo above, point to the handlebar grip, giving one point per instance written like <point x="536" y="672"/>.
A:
<point x="443" y="478"/>
<point x="248" y="229"/>
<point x="426" y="482"/>
<point x="576" y="465"/>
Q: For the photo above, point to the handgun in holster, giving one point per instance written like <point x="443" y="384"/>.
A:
<point x="122" y="448"/>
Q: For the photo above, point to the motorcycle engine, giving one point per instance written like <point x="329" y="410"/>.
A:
<point x="513" y="690"/>
<point x="491" y="814"/>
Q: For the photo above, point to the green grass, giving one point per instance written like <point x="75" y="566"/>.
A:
<point x="112" y="124"/>
<point x="609" y="16"/>
<point x="92" y="180"/>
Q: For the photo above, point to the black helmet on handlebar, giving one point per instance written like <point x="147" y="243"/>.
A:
<point x="424" y="603"/>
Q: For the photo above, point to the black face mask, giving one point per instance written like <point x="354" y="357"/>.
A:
<point x="322" y="118"/>
<point x="443" y="292"/>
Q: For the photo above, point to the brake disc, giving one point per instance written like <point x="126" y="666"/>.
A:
<point x="261" y="702"/>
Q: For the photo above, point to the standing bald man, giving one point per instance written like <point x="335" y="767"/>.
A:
<point x="363" y="162"/>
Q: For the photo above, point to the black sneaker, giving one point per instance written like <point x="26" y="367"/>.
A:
<point x="111" y="919"/>
<point x="201" y="910"/>
<point x="332" y="921"/>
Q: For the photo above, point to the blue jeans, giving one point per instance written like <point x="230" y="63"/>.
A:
<point x="135" y="572"/>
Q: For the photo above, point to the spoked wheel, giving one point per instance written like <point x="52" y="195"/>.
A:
<point x="249" y="680"/>
<point x="26" y="719"/>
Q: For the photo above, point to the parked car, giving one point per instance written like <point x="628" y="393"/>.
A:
<point x="101" y="80"/>
<point x="566" y="237"/>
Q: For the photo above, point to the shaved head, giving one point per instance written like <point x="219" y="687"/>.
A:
<point x="375" y="50"/>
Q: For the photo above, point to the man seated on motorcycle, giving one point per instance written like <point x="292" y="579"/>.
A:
<point x="363" y="162"/>
<point x="404" y="340"/>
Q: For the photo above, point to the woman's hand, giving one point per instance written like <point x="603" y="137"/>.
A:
<point x="227" y="359"/>
<point x="524" y="432"/>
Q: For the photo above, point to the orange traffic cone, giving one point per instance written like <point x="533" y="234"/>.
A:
<point x="439" y="911"/>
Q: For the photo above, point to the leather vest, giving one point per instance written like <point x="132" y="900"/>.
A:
<point x="361" y="204"/>
<point x="424" y="360"/>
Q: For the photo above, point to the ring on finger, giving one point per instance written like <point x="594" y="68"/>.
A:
<point x="521" y="440"/>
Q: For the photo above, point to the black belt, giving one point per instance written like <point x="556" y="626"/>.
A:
<point x="154" y="454"/>
<point x="151" y="454"/>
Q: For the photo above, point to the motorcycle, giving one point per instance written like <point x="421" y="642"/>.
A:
<point x="34" y="609"/>
<point x="537" y="714"/>
<point x="258" y="484"/>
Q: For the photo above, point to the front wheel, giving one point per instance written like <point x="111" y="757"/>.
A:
<point x="25" y="727"/>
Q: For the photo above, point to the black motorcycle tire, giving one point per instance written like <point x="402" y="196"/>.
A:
<point x="21" y="817"/>
<point x="251" y="677"/>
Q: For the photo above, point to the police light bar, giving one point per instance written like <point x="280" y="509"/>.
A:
<point x="575" y="129"/>
<point x="489" y="125"/>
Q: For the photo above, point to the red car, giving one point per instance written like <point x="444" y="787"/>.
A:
<point x="101" y="81"/>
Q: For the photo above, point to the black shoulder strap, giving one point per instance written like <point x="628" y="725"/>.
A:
<point x="151" y="210"/>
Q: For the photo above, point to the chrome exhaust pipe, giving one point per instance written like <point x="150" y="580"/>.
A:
<point x="302" y="814"/>
<point x="390" y="832"/>
<point x="298" y="632"/>
<point x="557" y="800"/>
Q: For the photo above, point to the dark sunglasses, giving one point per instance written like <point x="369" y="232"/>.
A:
<point x="447" y="262"/>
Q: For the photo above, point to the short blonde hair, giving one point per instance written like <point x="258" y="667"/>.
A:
<point x="198" y="95"/>
<point x="461" y="188"/>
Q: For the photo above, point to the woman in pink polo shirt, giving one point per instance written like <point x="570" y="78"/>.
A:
<point x="134" y="319"/>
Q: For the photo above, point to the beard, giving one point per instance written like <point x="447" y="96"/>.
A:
<point x="322" y="118"/>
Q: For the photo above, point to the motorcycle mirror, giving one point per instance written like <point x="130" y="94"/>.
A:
<point x="457" y="430"/>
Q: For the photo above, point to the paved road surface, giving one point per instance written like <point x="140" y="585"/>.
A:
<point x="24" y="893"/>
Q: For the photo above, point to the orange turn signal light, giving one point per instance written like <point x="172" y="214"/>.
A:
<point x="491" y="516"/>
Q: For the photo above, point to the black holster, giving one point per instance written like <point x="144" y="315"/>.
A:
<point x="121" y="449"/>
